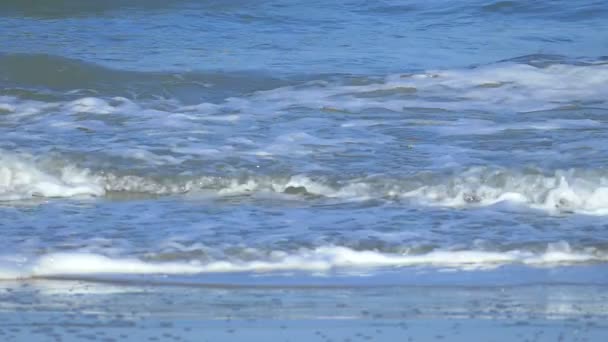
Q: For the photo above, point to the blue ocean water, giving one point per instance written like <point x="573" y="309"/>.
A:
<point x="294" y="143"/>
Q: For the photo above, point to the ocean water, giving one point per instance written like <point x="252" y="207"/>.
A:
<point x="305" y="143"/>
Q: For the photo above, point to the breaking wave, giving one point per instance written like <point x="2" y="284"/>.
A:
<point x="576" y="191"/>
<point x="21" y="178"/>
<point x="321" y="259"/>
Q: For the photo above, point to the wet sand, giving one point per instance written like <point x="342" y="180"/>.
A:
<point x="52" y="310"/>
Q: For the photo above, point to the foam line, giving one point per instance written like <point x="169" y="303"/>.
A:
<point x="321" y="259"/>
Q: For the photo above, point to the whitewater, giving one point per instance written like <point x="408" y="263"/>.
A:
<point x="422" y="142"/>
<point x="212" y="157"/>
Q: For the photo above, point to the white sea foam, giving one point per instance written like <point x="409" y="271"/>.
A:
<point x="562" y="191"/>
<point x="577" y="191"/>
<point x="23" y="108"/>
<point x="507" y="87"/>
<point x="80" y="263"/>
<point x="483" y="127"/>
<point x="21" y="178"/>
<point x="90" y="105"/>
<point x="321" y="259"/>
<point x="503" y="87"/>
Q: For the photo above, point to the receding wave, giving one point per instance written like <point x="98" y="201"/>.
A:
<point x="320" y="259"/>
<point x="575" y="191"/>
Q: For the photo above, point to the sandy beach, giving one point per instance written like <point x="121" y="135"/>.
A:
<point x="76" y="310"/>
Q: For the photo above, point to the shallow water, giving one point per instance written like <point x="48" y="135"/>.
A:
<point x="304" y="143"/>
<point x="76" y="311"/>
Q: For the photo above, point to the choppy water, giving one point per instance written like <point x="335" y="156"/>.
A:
<point x="267" y="138"/>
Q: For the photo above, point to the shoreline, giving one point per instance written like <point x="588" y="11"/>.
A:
<point x="78" y="310"/>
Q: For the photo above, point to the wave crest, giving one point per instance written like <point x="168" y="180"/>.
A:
<point x="577" y="191"/>
<point x="21" y="178"/>
<point x="320" y="259"/>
